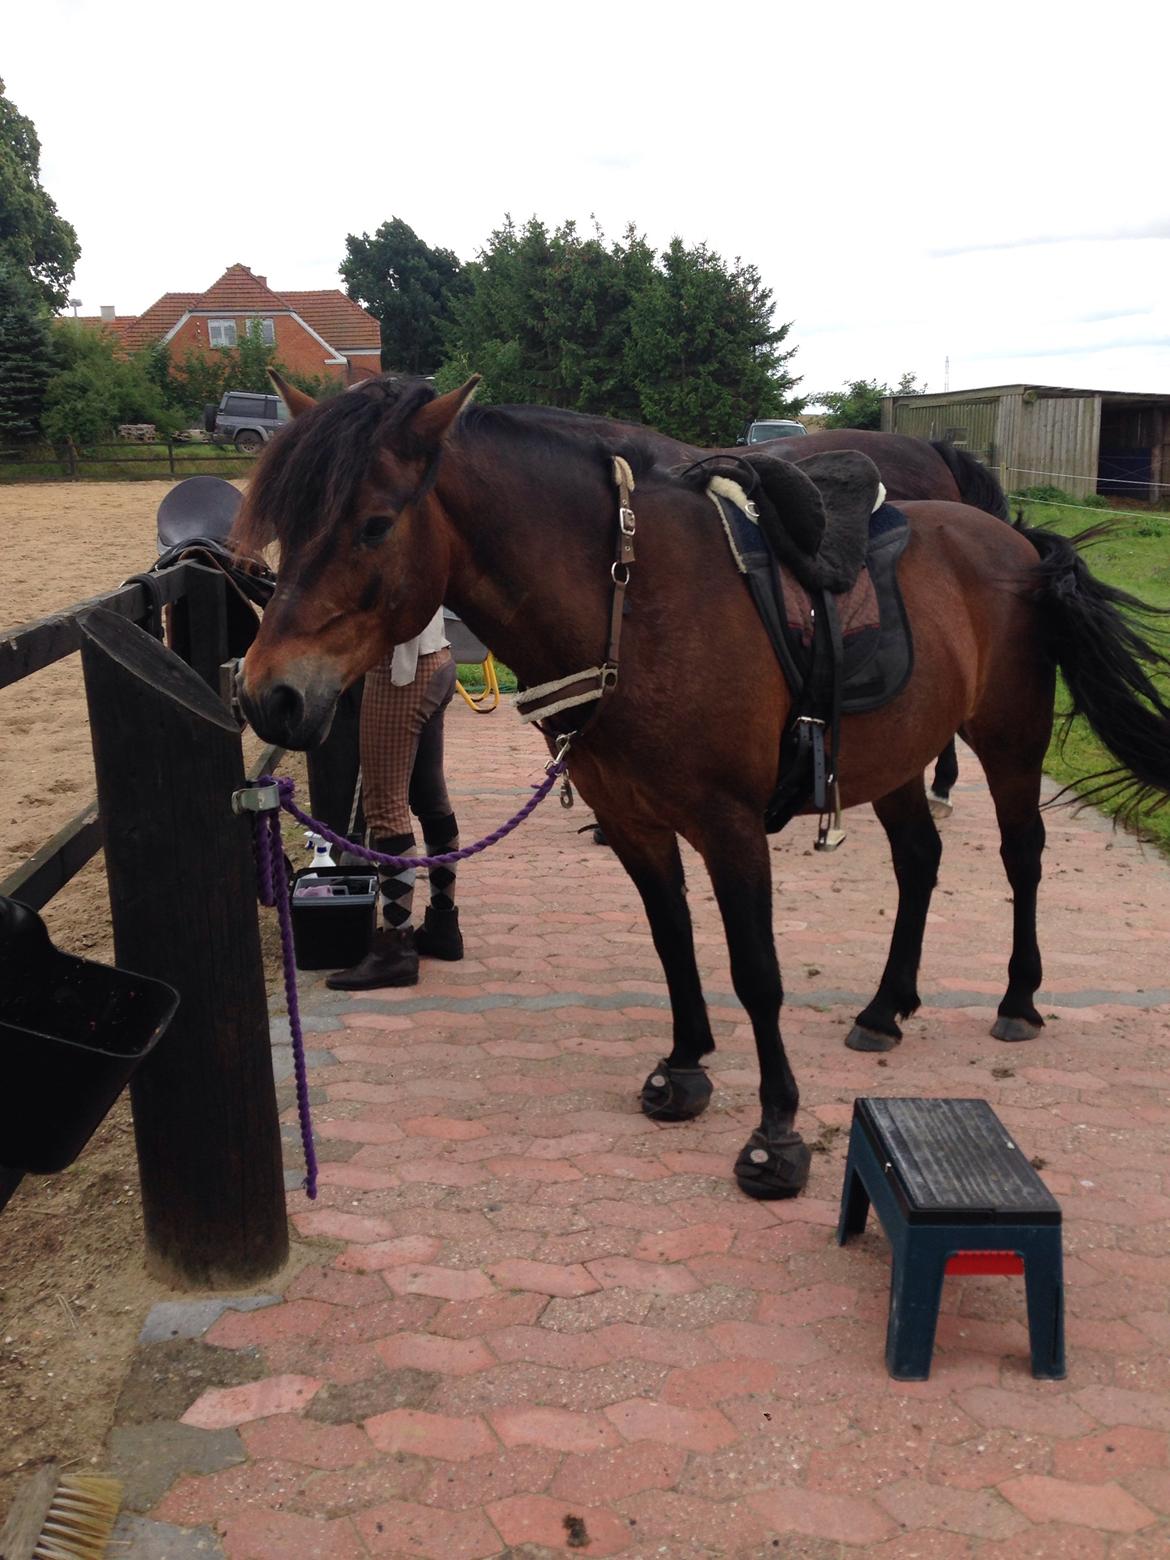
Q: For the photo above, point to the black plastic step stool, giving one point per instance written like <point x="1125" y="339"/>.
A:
<point x="954" y="1195"/>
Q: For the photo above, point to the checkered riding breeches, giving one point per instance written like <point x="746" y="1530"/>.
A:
<point x="402" y="745"/>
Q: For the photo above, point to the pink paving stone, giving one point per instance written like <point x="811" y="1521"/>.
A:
<point x="220" y="1408"/>
<point x="361" y="1132"/>
<point x="629" y="1167"/>
<point x="590" y="1477"/>
<point x="643" y="1277"/>
<point x="677" y="1245"/>
<point x="704" y="1384"/>
<point x="430" y="1435"/>
<point x="774" y="1345"/>
<point x="449" y="1128"/>
<point x="684" y="1347"/>
<point x="544" y="1170"/>
<point x="977" y="1513"/>
<point x="292" y="1439"/>
<point x="398" y="1251"/>
<point x="401" y="1527"/>
<point x="843" y="1519"/>
<point x="543" y="1278"/>
<point x="557" y="1429"/>
<point x="695" y="1430"/>
<point x="250" y="1329"/>
<point x="278" y="1535"/>
<point x="194" y="1500"/>
<point x="396" y="1022"/>
<point x="1061" y="1541"/>
<point x="1125" y="1406"/>
<point x="690" y="1161"/>
<point x="522" y="1470"/>
<point x="336" y="1287"/>
<point x="342" y="1226"/>
<point x="445" y="1283"/>
<point x="1106" y="1507"/>
<point x="448" y="1356"/>
<point x="358" y="1178"/>
<point x="539" y="1346"/>
<point x="478" y="1318"/>
<point x="814" y="1304"/>
<point x="537" y="1519"/>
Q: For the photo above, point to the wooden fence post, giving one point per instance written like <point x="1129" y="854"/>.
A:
<point x="199" y="632"/>
<point x="182" y="882"/>
<point x="71" y="458"/>
<point x="171" y="454"/>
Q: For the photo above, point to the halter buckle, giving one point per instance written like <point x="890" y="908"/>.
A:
<point x="609" y="676"/>
<point x="626" y="520"/>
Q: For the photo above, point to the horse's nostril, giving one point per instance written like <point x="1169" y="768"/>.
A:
<point x="285" y="706"/>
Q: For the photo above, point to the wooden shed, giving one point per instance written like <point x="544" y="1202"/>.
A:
<point x="1084" y="441"/>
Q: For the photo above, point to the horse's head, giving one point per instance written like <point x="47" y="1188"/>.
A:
<point x="346" y="492"/>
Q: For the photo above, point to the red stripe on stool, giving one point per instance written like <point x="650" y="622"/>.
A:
<point x="985" y="1262"/>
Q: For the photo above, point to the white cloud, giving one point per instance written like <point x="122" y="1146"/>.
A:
<point x="913" y="184"/>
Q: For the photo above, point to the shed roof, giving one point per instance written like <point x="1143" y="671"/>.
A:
<point x="941" y="397"/>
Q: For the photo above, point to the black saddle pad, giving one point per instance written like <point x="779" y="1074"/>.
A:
<point x="878" y="647"/>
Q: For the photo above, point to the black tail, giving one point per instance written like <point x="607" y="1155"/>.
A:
<point x="977" y="485"/>
<point x="1106" y="663"/>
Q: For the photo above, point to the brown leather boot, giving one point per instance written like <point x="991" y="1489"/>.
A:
<point x="439" y="936"/>
<point x="391" y="961"/>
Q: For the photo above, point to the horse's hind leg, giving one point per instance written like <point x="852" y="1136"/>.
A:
<point x="1015" y="789"/>
<point x="775" y="1160"/>
<point x="678" y="1089"/>
<point x="946" y="772"/>
<point x="905" y="815"/>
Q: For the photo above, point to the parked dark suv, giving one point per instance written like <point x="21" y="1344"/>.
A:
<point x="245" y="419"/>
<point x="773" y="428"/>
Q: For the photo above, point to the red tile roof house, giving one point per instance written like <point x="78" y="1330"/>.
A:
<point x="322" y="333"/>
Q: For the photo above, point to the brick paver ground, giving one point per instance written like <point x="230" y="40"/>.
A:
<point x="533" y="1321"/>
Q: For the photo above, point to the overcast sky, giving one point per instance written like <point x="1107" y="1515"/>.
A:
<point x="918" y="181"/>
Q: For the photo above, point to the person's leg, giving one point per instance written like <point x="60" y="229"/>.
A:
<point x="389" y="740"/>
<point x="439" y="936"/>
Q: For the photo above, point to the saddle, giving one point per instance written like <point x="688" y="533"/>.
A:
<point x="818" y="546"/>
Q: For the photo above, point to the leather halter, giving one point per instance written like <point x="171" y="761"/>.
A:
<point x="564" y="693"/>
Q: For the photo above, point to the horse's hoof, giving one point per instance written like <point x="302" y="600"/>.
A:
<point x="861" y="1039"/>
<point x="676" y="1093"/>
<point x="1006" y="1028"/>
<point x="940" y="806"/>
<point x="773" y="1165"/>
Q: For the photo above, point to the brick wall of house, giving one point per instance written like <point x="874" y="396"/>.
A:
<point x="295" y="347"/>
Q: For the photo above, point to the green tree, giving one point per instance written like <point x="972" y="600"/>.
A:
<point x="33" y="237"/>
<point x="546" y="319"/>
<point x="908" y="385"/>
<point x="859" y="405"/>
<point x="95" y="388"/>
<point x="25" y="356"/>
<point x="703" y="352"/>
<point x="409" y="288"/>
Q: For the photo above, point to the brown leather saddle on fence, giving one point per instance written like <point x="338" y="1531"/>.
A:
<point x="818" y="547"/>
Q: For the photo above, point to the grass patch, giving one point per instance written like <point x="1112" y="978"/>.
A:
<point x="1135" y="557"/>
<point x="470" y="674"/>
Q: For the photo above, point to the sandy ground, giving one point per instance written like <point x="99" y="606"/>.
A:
<point x="72" y="1287"/>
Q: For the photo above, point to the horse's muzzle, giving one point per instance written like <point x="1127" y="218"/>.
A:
<point x="290" y="716"/>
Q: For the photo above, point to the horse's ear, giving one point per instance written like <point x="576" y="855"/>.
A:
<point x="432" y="421"/>
<point x="296" y="400"/>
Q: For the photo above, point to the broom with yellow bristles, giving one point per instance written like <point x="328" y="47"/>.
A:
<point x="61" y="1516"/>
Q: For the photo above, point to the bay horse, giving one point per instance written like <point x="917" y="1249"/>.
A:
<point x="390" y="500"/>
<point x="910" y="468"/>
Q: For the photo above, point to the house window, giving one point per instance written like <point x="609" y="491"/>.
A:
<point x="268" y="333"/>
<point x="221" y="333"/>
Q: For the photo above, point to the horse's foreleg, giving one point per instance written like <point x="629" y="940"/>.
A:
<point x="916" y="848"/>
<point x="679" y="1088"/>
<point x="775" y="1160"/>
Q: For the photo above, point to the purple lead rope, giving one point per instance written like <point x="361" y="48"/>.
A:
<point x="274" y="891"/>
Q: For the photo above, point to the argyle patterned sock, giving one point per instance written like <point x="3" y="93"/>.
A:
<point x="442" y="836"/>
<point x="397" y="887"/>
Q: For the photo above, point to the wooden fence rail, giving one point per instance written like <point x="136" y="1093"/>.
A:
<point x="170" y="456"/>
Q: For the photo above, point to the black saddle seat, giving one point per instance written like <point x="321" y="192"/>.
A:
<point x="826" y="502"/>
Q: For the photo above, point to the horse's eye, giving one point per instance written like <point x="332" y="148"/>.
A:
<point x="375" y="530"/>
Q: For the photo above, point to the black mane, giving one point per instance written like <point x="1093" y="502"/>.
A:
<point x="309" y="477"/>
